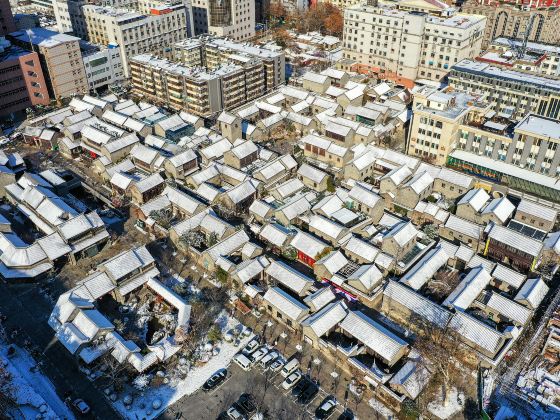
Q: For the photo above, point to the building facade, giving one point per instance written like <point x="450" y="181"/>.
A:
<point x="103" y="66"/>
<point x="232" y="18"/>
<point x="7" y="23"/>
<point x="511" y="93"/>
<point x="404" y="45"/>
<point x="213" y="52"/>
<point x="60" y="57"/>
<point x="149" y="29"/>
<point x="22" y="83"/>
<point x="511" y="21"/>
<point x="195" y="90"/>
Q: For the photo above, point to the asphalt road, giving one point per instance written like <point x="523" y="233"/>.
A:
<point x="27" y="309"/>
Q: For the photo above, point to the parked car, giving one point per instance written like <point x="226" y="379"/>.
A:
<point x="268" y="359"/>
<point x="277" y="364"/>
<point x="243" y="361"/>
<point x="81" y="406"/>
<point x="259" y="354"/>
<point x="223" y="416"/>
<point x="215" y="380"/>
<point x="300" y="387"/>
<point x="308" y="393"/>
<point x="325" y="409"/>
<point x="291" y="380"/>
<point x="235" y="412"/>
<point x="247" y="403"/>
<point x="251" y="346"/>
<point x="290" y="367"/>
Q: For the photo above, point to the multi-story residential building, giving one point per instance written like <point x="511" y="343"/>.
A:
<point x="193" y="89"/>
<point x="103" y="66"/>
<point x="406" y="45"/>
<point x="512" y="94"/>
<point x="22" y="84"/>
<point x="213" y="52"/>
<point x="232" y="18"/>
<point x="532" y="58"/>
<point x="60" y="57"/>
<point x="436" y="121"/>
<point x="149" y="28"/>
<point x="512" y="20"/>
<point x="523" y="156"/>
<point x="7" y="23"/>
<point x="70" y="17"/>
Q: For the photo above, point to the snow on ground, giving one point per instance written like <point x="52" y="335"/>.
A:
<point x="35" y="393"/>
<point x="455" y="401"/>
<point x="169" y="393"/>
<point x="381" y="408"/>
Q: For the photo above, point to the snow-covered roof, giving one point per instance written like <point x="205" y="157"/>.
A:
<point x="289" y="277"/>
<point x="412" y="377"/>
<point x="508" y="308"/>
<point x="537" y="210"/>
<point x="508" y="275"/>
<point x="515" y="240"/>
<point x="328" y="317"/>
<point x="425" y="269"/>
<point x="502" y="208"/>
<point x="182" y="158"/>
<point x="463" y="226"/>
<point x="183" y="309"/>
<point x="368" y="276"/>
<point x="364" y="196"/>
<point x="286" y="304"/>
<point x="276" y="234"/>
<point x="468" y="290"/>
<point x="149" y="183"/>
<point x="334" y="261"/>
<point x="326" y="226"/>
<point x="402" y="233"/>
<point x="477" y="332"/>
<point x="362" y="249"/>
<point x="248" y="269"/>
<point x="398" y="175"/>
<point x="420" y="182"/>
<point x="127" y="261"/>
<point x="260" y="208"/>
<point x="312" y="173"/>
<point x="476" y="198"/>
<point x="320" y="298"/>
<point x="417" y="303"/>
<point x="182" y="200"/>
<point x="375" y="336"/>
<point x="532" y="293"/>
<point x="308" y="244"/>
<point x="228" y="245"/>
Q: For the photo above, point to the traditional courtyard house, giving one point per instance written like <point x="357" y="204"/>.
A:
<point x="513" y="248"/>
<point x="285" y="308"/>
<point x="399" y="240"/>
<point x="536" y="215"/>
<point x="367" y="201"/>
<point x="181" y="165"/>
<point x="498" y="211"/>
<point x="320" y="324"/>
<point x="416" y="189"/>
<point x="241" y="155"/>
<point x="457" y="229"/>
<point x="326" y="229"/>
<point x="276" y="236"/>
<point x="309" y="248"/>
<point x="313" y="178"/>
<point x="471" y="204"/>
<point x="230" y="126"/>
<point x="281" y="274"/>
<point x="146" y="189"/>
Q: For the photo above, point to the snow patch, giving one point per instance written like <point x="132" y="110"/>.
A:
<point x="455" y="402"/>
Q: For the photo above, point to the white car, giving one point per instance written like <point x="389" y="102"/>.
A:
<point x="291" y="380"/>
<point x="259" y="354"/>
<point x="243" y="361"/>
<point x="277" y="364"/>
<point x="251" y="346"/>
<point x="235" y="414"/>
<point x="269" y="358"/>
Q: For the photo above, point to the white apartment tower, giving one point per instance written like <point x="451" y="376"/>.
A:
<point x="234" y="19"/>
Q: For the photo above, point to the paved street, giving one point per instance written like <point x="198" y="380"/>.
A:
<point x="27" y="309"/>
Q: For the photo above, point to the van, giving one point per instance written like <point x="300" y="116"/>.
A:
<point x="243" y="361"/>
<point x="290" y="367"/>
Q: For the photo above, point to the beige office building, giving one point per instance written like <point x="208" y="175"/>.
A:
<point x="399" y="43"/>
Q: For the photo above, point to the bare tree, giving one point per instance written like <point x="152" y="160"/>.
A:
<point x="440" y="348"/>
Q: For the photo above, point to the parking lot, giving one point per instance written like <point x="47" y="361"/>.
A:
<point x="264" y="385"/>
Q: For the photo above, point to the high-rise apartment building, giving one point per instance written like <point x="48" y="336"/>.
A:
<point x="22" y="83"/>
<point x="232" y="18"/>
<point x="104" y="66"/>
<point x="505" y="19"/>
<point x="193" y="89"/>
<point x="406" y="45"/>
<point x="152" y="28"/>
<point x="60" y="58"/>
<point x="210" y="52"/>
<point x="511" y="93"/>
